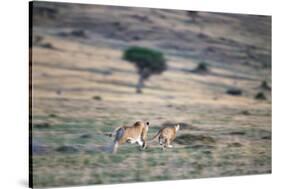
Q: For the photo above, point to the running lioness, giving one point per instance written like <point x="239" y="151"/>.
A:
<point x="131" y="134"/>
<point x="166" y="136"/>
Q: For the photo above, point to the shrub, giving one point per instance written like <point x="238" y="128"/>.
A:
<point x="79" y="33"/>
<point x="260" y="96"/>
<point x="202" y="67"/>
<point x="97" y="98"/>
<point x="42" y="125"/>
<point x="53" y="115"/>
<point x="47" y="46"/>
<point x="264" y="85"/>
<point x="193" y="15"/>
<point x="245" y="112"/>
<point x="234" y="91"/>
<point x="67" y="149"/>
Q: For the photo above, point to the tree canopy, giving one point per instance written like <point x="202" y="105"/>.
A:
<point x="146" y="60"/>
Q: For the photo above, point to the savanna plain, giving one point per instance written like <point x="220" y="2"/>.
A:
<point x="82" y="89"/>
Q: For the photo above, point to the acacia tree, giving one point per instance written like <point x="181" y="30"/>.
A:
<point x="147" y="62"/>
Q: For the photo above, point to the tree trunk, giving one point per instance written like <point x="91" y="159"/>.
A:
<point x="140" y="84"/>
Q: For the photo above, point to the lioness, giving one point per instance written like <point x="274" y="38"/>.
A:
<point x="166" y="135"/>
<point x="131" y="134"/>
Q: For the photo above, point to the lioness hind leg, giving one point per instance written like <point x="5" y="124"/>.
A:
<point x="169" y="144"/>
<point x="140" y="142"/>
<point x="144" y="146"/>
<point x="164" y="144"/>
<point x="160" y="141"/>
<point x="115" y="147"/>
